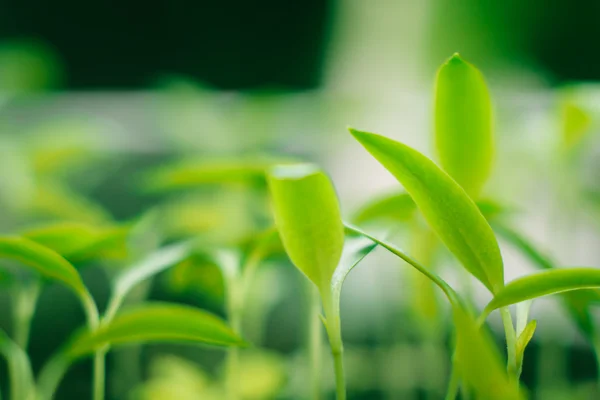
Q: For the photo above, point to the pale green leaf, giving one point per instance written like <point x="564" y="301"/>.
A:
<point x="544" y="283"/>
<point x="463" y="124"/>
<point x="479" y="361"/>
<point x="42" y="259"/>
<point x="156" y="322"/>
<point x="187" y="174"/>
<point x="152" y="265"/>
<point x="524" y="338"/>
<point x="307" y="215"/>
<point x="398" y="207"/>
<point x="445" y="205"/>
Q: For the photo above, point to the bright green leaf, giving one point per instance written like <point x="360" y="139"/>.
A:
<point x="44" y="260"/>
<point x="544" y="283"/>
<point x="577" y="302"/>
<point x="307" y="215"/>
<point x="156" y="322"/>
<point x="444" y="204"/>
<point x="479" y="361"/>
<point x="576" y="123"/>
<point x="524" y="338"/>
<point x="463" y="124"/>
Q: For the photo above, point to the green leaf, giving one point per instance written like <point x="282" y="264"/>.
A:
<point x="79" y="242"/>
<point x="463" y="124"/>
<point x="577" y="302"/>
<point x="479" y="361"/>
<point x="452" y="215"/>
<point x="19" y="368"/>
<point x="155" y="263"/>
<point x="544" y="283"/>
<point x="44" y="260"/>
<point x="186" y="174"/>
<point x="308" y="217"/>
<point x="576" y="123"/>
<point x="524" y="339"/>
<point x="398" y="207"/>
<point x="156" y="322"/>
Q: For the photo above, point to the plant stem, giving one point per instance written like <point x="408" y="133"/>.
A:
<point x="334" y="331"/>
<point x="454" y="383"/>
<point x="596" y="346"/>
<point x="24" y="308"/>
<point x="314" y="342"/>
<point x="50" y="377"/>
<point x="511" y="342"/>
<point x="233" y="353"/>
<point x="100" y="373"/>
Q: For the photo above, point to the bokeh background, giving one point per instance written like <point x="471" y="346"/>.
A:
<point x="95" y="94"/>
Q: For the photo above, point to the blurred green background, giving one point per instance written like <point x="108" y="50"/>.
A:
<point x="93" y="95"/>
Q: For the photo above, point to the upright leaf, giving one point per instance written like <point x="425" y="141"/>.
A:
<point x="19" y="369"/>
<point x="444" y="204"/>
<point x="307" y="215"/>
<point x="544" y="283"/>
<point x="463" y="124"/>
<point x="156" y="322"/>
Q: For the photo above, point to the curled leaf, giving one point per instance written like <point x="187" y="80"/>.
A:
<point x="452" y="215"/>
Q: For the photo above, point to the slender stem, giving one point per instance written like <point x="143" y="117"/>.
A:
<point x="233" y="353"/>
<point x="93" y="318"/>
<point x="50" y="377"/>
<point x="26" y="297"/>
<point x="334" y="331"/>
<point x="511" y="341"/>
<point x="315" y="342"/>
<point x="454" y="383"/>
<point x="596" y="346"/>
<point x="100" y="374"/>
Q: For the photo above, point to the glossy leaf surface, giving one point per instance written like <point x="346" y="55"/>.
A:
<point x="445" y="205"/>
<point x="463" y="124"/>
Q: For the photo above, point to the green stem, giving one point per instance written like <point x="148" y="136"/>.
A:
<point x="50" y="377"/>
<point x="315" y="342"/>
<point x="511" y="342"/>
<point x="99" y="374"/>
<point x="454" y="383"/>
<point x="233" y="353"/>
<point x="26" y="297"/>
<point x="596" y="346"/>
<point x="334" y="332"/>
